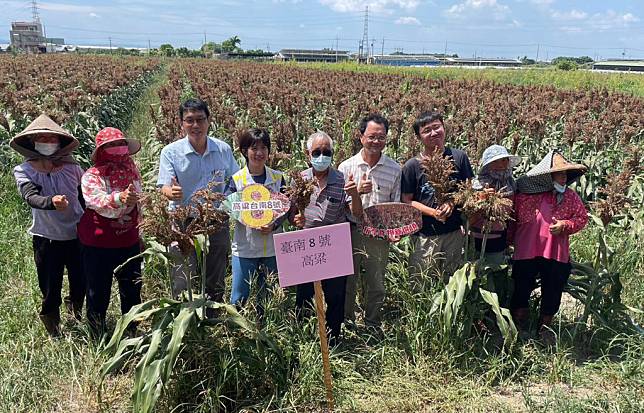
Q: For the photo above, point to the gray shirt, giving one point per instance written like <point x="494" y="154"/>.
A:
<point x="50" y="223"/>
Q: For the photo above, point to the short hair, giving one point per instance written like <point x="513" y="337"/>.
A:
<point x="318" y="134"/>
<point x="250" y="137"/>
<point x="425" y="118"/>
<point x="193" y="105"/>
<point x="376" y="118"/>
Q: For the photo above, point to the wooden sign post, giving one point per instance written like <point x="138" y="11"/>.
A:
<point x="312" y="255"/>
<point x="324" y="345"/>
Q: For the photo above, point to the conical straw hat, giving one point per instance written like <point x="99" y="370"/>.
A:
<point x="24" y="145"/>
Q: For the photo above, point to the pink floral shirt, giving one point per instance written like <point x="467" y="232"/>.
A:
<point x="101" y="197"/>
<point x="534" y="214"/>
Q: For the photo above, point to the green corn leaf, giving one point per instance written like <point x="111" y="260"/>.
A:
<point x="503" y="316"/>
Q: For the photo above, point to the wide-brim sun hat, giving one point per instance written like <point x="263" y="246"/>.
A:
<point x="109" y="134"/>
<point x="43" y="124"/>
<point x="496" y="152"/>
<point x="538" y="179"/>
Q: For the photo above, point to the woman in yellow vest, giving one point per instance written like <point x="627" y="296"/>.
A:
<point x="252" y="249"/>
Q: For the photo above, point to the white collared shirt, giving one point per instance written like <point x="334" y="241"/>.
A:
<point x="384" y="176"/>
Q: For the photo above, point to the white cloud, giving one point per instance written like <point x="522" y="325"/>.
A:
<point x="568" y="15"/>
<point x="610" y="19"/>
<point x="630" y="18"/>
<point x="375" y="6"/>
<point x="408" y="20"/>
<point x="598" y="22"/>
<point x="94" y="15"/>
<point x="477" y="6"/>
<point x="542" y="2"/>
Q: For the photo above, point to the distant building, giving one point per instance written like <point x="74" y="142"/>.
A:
<point x="58" y="41"/>
<point x="244" y="56"/>
<point x="481" y="62"/>
<point x="301" y="55"/>
<point x="620" y="65"/>
<point x="405" y="60"/>
<point x="28" y="36"/>
<point x="4" y="47"/>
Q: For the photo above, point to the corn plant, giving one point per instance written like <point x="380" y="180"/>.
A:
<point x="155" y="352"/>
<point x="173" y="322"/>
<point x="465" y="299"/>
<point x="597" y="285"/>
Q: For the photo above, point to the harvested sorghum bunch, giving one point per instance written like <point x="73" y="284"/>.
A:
<point x="493" y="207"/>
<point x="300" y="190"/>
<point x="182" y="224"/>
<point x="439" y="170"/>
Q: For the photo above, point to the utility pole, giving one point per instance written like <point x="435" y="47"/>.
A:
<point x="205" y="40"/>
<point x="445" y="53"/>
<point x="149" y="47"/>
<point x="336" y="48"/>
<point x="537" y="59"/>
<point x="110" y="44"/>
<point x="382" y="50"/>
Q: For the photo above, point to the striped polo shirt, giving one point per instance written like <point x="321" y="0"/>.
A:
<point x="384" y="176"/>
<point x="330" y="205"/>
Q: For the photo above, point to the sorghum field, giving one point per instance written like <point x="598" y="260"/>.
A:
<point x="420" y="363"/>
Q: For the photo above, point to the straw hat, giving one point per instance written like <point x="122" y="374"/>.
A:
<point x="538" y="178"/>
<point x="559" y="164"/>
<point x="109" y="134"/>
<point x="41" y="125"/>
<point x="496" y="152"/>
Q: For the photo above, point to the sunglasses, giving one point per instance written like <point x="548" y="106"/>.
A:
<point x="317" y="152"/>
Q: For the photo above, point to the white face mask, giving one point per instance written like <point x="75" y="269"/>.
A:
<point x="559" y="188"/>
<point x="46" y="148"/>
<point x="321" y="163"/>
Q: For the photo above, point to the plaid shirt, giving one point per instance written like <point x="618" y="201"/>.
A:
<point x="384" y="176"/>
<point x="327" y="206"/>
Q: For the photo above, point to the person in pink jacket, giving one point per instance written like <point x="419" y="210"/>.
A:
<point x="547" y="212"/>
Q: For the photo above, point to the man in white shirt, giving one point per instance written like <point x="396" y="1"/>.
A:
<point x="378" y="180"/>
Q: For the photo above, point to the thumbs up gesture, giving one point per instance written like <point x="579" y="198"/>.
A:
<point x="366" y="186"/>
<point x="60" y="202"/>
<point x="173" y="192"/>
<point x="129" y="197"/>
<point x="350" y="186"/>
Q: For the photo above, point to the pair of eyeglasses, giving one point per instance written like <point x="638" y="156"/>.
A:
<point x="430" y="128"/>
<point x="325" y="152"/>
<point x="380" y="138"/>
<point x="192" y="121"/>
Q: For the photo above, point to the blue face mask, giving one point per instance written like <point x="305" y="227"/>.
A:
<point x="321" y="163"/>
<point x="559" y="188"/>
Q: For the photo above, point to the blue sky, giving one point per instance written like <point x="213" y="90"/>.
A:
<point x="490" y="28"/>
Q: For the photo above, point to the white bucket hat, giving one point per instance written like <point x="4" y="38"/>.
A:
<point x="495" y="152"/>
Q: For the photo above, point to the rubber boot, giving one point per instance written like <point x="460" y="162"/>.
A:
<point x="520" y="317"/>
<point x="546" y="334"/>
<point x="51" y="322"/>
